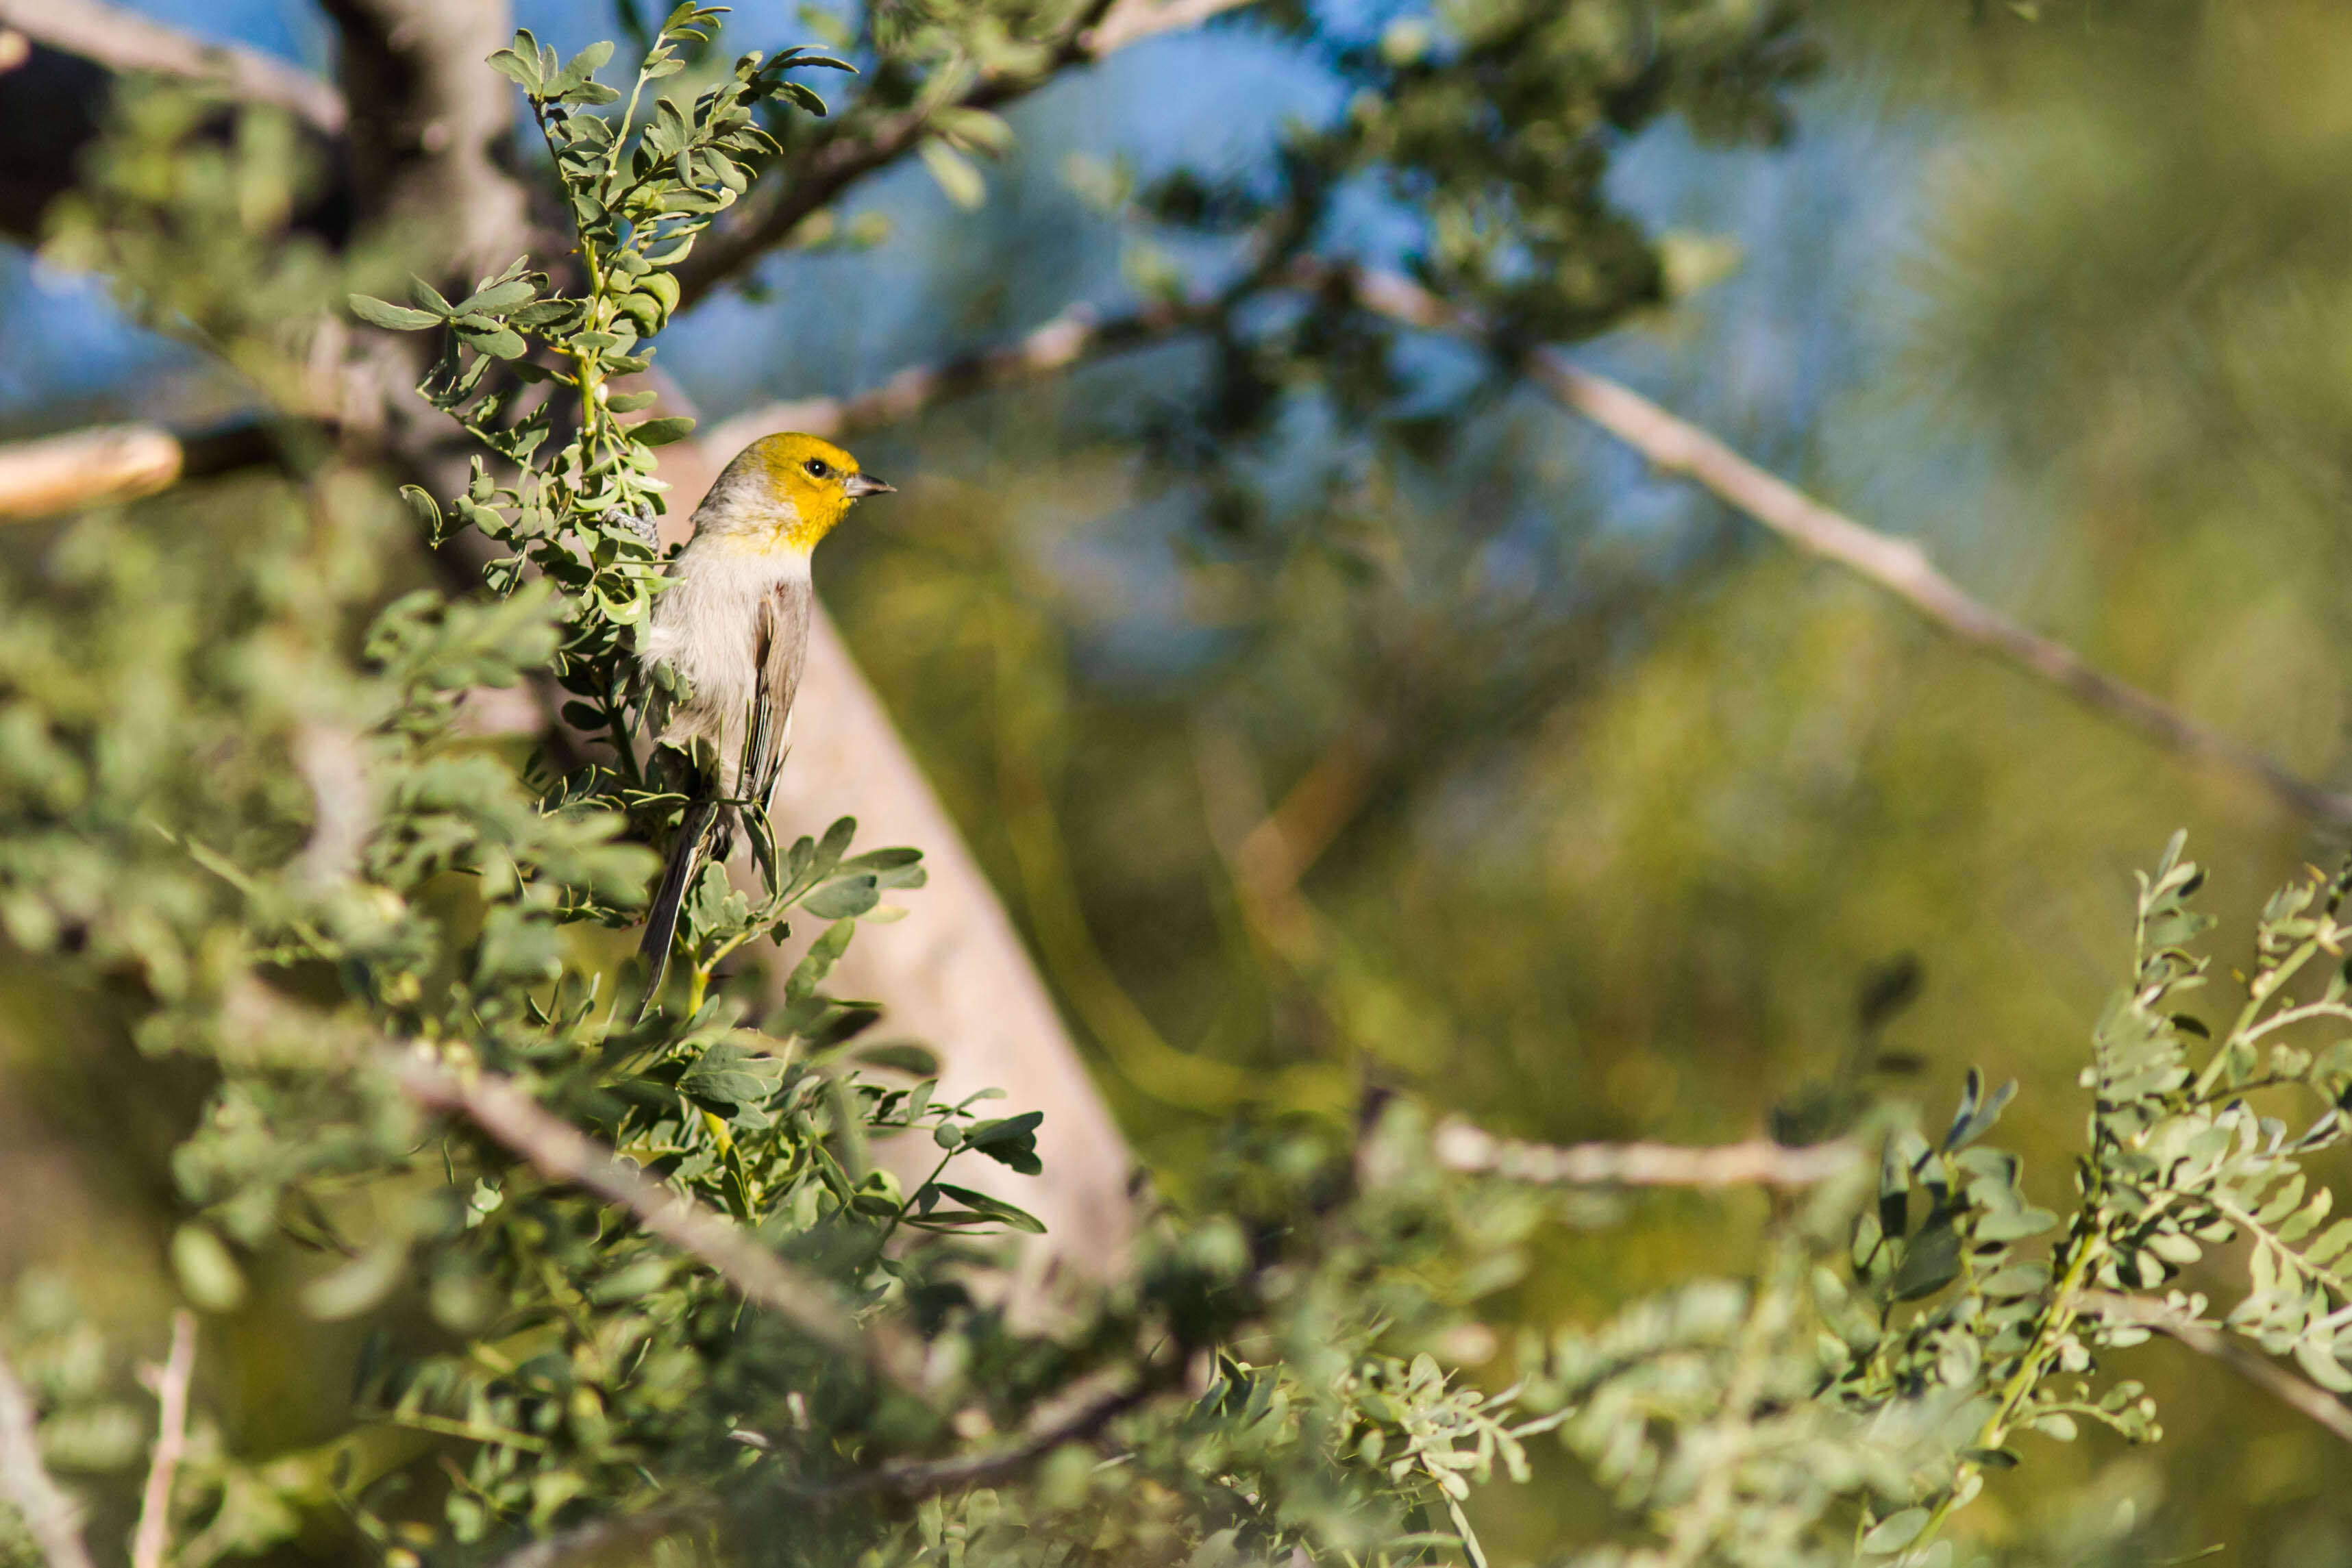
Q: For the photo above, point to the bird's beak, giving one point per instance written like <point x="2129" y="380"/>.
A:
<point x="860" y="484"/>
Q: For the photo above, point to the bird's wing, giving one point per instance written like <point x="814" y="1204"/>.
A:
<point x="782" y="647"/>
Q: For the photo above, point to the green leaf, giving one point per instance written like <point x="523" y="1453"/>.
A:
<point x="663" y="430"/>
<point x="499" y="342"/>
<point x="499" y="296"/>
<point x="392" y="318"/>
<point x="427" y="509"/>
<point x="519" y="68"/>
<point x="843" y="898"/>
<point x="207" y="1271"/>
<point x="2319" y="1360"/>
<point x="910" y="1057"/>
<point x="359" y="1284"/>
<point x="1897" y="1531"/>
<point x="955" y="174"/>
<point x="987" y="1208"/>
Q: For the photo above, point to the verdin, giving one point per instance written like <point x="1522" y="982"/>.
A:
<point x="734" y="622"/>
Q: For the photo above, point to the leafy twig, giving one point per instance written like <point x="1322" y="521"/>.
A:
<point x="2206" y="1340"/>
<point x="557" y="1149"/>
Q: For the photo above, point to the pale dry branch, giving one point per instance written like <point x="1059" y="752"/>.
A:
<point x="86" y="468"/>
<point x="1898" y="566"/>
<point x="2306" y="1398"/>
<point x="1473" y="1151"/>
<point x="1902" y="568"/>
<point x="51" y="1516"/>
<point x="127" y="41"/>
<point x="152" y="1540"/>
<point x="558" y="1150"/>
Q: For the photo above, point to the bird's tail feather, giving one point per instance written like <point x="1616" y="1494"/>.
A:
<point x="686" y="853"/>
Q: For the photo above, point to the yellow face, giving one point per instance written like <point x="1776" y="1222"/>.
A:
<point x="786" y="492"/>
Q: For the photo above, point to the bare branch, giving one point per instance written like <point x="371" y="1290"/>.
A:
<point x="1459" y="1146"/>
<point x="558" y="1150"/>
<point x="817" y="179"/>
<point x="124" y="41"/>
<point x="928" y="1478"/>
<point x="153" y="1538"/>
<point x="2206" y="1340"/>
<point x="50" y="1515"/>
<point x="116" y="462"/>
<point x="1902" y="568"/>
<point x="1069" y="338"/>
<point x="1899" y="566"/>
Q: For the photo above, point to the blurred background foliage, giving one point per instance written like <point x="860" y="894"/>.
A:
<point x="1621" y="819"/>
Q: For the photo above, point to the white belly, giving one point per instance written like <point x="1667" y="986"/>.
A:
<point x="705" y="627"/>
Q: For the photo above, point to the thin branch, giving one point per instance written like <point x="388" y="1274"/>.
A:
<point x="125" y="41"/>
<point x="606" y="1538"/>
<point x="1076" y="335"/>
<point x="1902" y="568"/>
<point x="1459" y="1146"/>
<point x="928" y="1478"/>
<point x="114" y="463"/>
<point x="2205" y="1340"/>
<point x="51" y="1517"/>
<point x="153" y="1538"/>
<point x="834" y="164"/>
<point x="1899" y="566"/>
<point x="558" y="1150"/>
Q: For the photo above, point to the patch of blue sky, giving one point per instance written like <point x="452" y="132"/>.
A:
<point x="841" y="319"/>
<point x="68" y="356"/>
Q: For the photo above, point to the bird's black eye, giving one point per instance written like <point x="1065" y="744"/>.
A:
<point x="816" y="468"/>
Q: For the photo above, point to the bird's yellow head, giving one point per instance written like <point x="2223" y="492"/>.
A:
<point x="783" y="492"/>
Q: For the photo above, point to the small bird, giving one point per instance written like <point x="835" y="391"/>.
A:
<point x="735" y="621"/>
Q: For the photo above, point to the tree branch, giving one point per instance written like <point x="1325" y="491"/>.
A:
<point x="558" y="1150"/>
<point x="126" y="42"/>
<point x="52" y="1517"/>
<point x="816" y="179"/>
<point x="153" y="1539"/>
<point x="1902" y="568"/>
<point x="1898" y="566"/>
<point x="1459" y="1146"/>
<point x="2205" y="1340"/>
<point x="928" y="1478"/>
<point x="1077" y="335"/>
<point x="432" y="128"/>
<point x="86" y="468"/>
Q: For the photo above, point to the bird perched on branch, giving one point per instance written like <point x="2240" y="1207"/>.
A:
<point x="735" y="622"/>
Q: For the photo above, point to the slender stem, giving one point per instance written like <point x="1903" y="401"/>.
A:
<point x="154" y="1534"/>
<point x="891" y="1230"/>
<point x="2265" y="986"/>
<point x="2065" y="1302"/>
